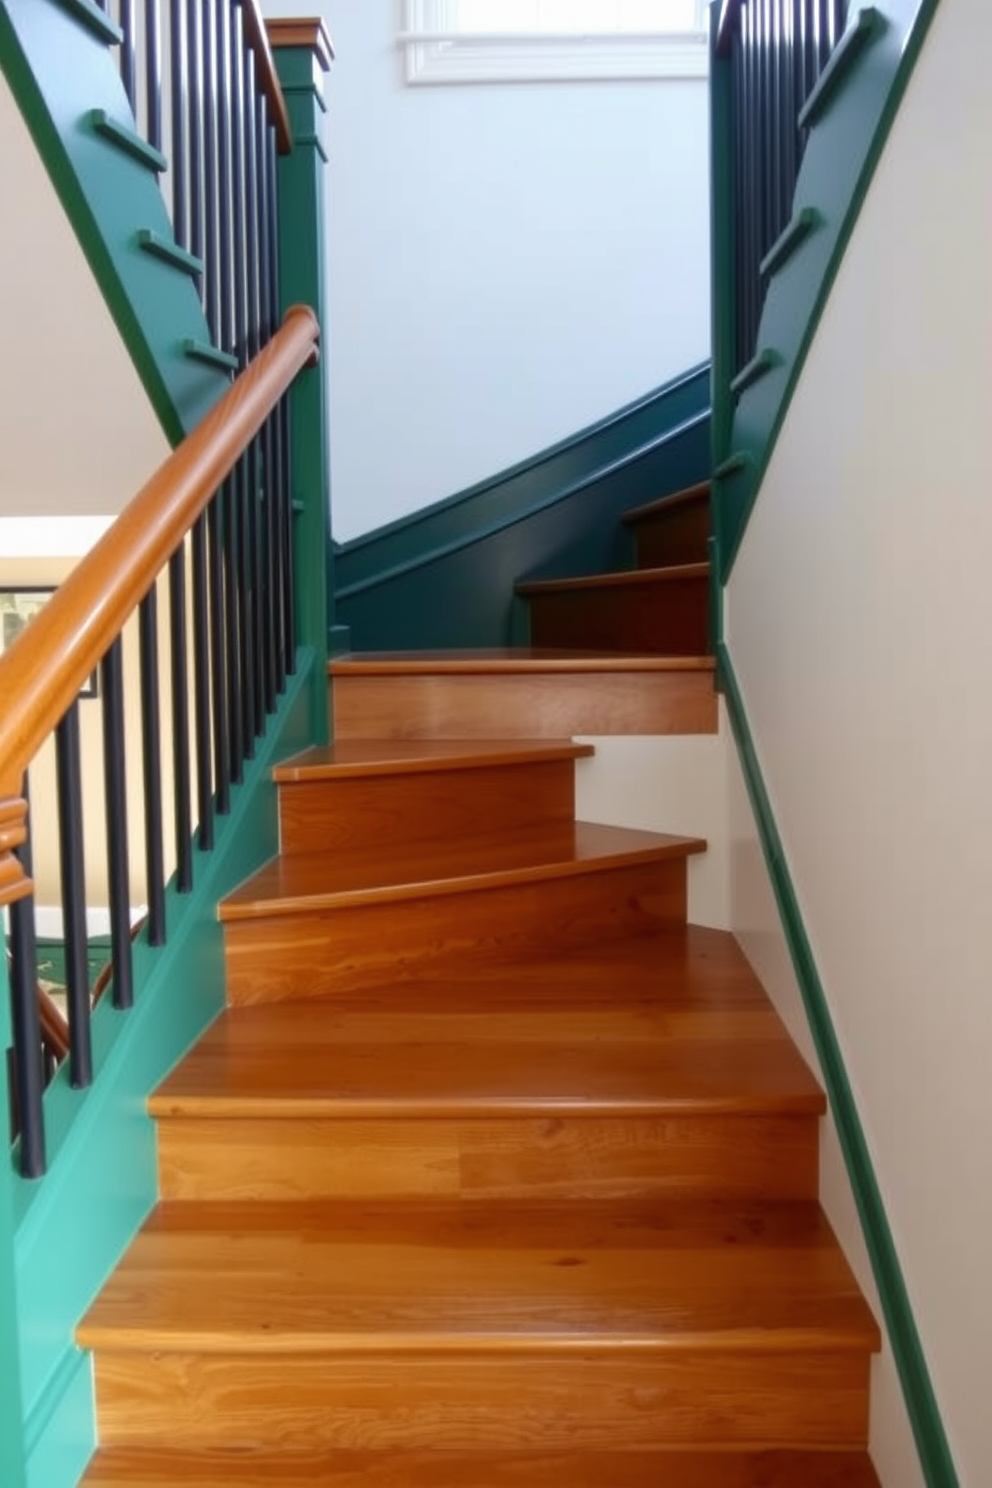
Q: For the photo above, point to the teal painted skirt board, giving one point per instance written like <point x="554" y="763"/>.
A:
<point x="444" y="576"/>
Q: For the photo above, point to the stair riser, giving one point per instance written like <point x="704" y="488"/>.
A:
<point x="547" y="706"/>
<point x="669" y="617"/>
<point x="476" y="1401"/>
<point x="319" y="954"/>
<point x="325" y="815"/>
<point x="585" y="1157"/>
<point x="678" y="536"/>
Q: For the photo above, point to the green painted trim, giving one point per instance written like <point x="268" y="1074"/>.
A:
<point x="492" y="529"/>
<point x="515" y="489"/>
<point x="59" y="77"/>
<point x="128" y="140"/>
<point x="102" y="1178"/>
<point x="928" y="1429"/>
<point x="169" y="251"/>
<point x="785" y="245"/>
<point x="13" y="1458"/>
<point x="739" y="460"/>
<point x="867" y="22"/>
<point x="838" y="165"/>
<point x="302" y="257"/>
<point x="759" y="364"/>
<point x="95" y="20"/>
<point x="205" y="351"/>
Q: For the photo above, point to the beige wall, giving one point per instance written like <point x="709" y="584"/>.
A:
<point x="859" y="620"/>
<point x="77" y="434"/>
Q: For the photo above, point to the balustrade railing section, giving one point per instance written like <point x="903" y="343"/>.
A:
<point x="777" y="51"/>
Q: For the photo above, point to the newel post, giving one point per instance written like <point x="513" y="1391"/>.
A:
<point x="303" y="54"/>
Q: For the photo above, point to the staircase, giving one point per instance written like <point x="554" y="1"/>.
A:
<point x="494" y="1172"/>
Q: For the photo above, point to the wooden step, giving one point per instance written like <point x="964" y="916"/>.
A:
<point x="312" y="925"/>
<point x="497" y="1325"/>
<point x="673" y="529"/>
<point x="394" y="793"/>
<point x="661" y="610"/>
<point x="124" y="1467"/>
<point x="477" y="1092"/>
<point x="523" y="693"/>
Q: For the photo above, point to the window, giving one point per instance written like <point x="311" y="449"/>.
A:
<point x="480" y="41"/>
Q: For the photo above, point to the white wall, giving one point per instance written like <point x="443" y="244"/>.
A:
<point x="77" y="434"/>
<point x="860" y="624"/>
<point x="507" y="264"/>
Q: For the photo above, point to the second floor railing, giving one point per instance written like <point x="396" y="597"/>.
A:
<point x="777" y="51"/>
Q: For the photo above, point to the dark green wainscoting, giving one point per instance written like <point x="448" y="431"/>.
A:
<point x="444" y="576"/>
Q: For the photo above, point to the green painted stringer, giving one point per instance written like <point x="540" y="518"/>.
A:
<point x="169" y="251"/>
<point x="843" y="151"/>
<point x="928" y="1429"/>
<point x="756" y="367"/>
<point x="789" y="239"/>
<point x="129" y="141"/>
<point x="59" y="76"/>
<point x="842" y="58"/>
<point x="205" y="351"/>
<point x="95" y="20"/>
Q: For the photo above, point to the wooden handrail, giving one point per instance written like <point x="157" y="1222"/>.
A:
<point x="268" y="79"/>
<point x="48" y="663"/>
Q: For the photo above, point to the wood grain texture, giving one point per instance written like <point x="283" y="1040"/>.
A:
<point x="525" y="703"/>
<point x="579" y="1157"/>
<point x="309" y="32"/>
<point x="290" y="885"/>
<point x="576" y="1402"/>
<point x="661" y="610"/>
<point x="673" y="530"/>
<point x="335" y="952"/>
<point x="134" y="1468"/>
<point x="399" y="810"/>
<point x="265" y="70"/>
<point x="350" y="759"/>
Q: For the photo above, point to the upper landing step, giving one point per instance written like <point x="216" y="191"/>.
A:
<point x="519" y="693"/>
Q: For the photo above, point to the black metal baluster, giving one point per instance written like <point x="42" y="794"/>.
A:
<point x="115" y="803"/>
<point x="180" y="89"/>
<point x="253" y="107"/>
<point x="151" y="755"/>
<point x="196" y="121"/>
<point x="282" y="463"/>
<point x="229" y="546"/>
<point x="260" y="321"/>
<point x="153" y="76"/>
<point x="218" y="658"/>
<point x="211" y="171"/>
<point x="26" y="1023"/>
<point x="180" y="722"/>
<point x="201" y="687"/>
<point x="128" y="63"/>
<point x="73" y="879"/>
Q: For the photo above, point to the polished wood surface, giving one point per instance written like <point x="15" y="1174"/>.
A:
<point x="265" y="71"/>
<point x="334" y="952"/>
<point x="351" y="758"/>
<point x="339" y="811"/>
<point x="364" y="874"/>
<point x="134" y="1468"/>
<point x="516" y="661"/>
<point x="662" y="610"/>
<point x="309" y="32"/>
<point x="647" y="1275"/>
<point x="571" y="1399"/>
<point x="626" y="698"/>
<point x="42" y="671"/>
<point x="673" y="530"/>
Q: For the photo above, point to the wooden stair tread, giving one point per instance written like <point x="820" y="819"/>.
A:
<point x="123" y="1467"/>
<point x="438" y="1277"/>
<point x="324" y="1061"/>
<point x="520" y="660"/>
<point x="351" y="758"/>
<point x="356" y="875"/>
<point x="622" y="579"/>
<point x="662" y="504"/>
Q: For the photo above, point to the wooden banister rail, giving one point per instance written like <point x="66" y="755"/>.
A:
<point x="268" y="79"/>
<point x="42" y="672"/>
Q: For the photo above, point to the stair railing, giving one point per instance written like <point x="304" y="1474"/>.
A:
<point x="211" y="119"/>
<point x="231" y="643"/>
<point x="776" y="52"/>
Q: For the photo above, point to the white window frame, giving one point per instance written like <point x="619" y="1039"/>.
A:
<point x="438" y="52"/>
